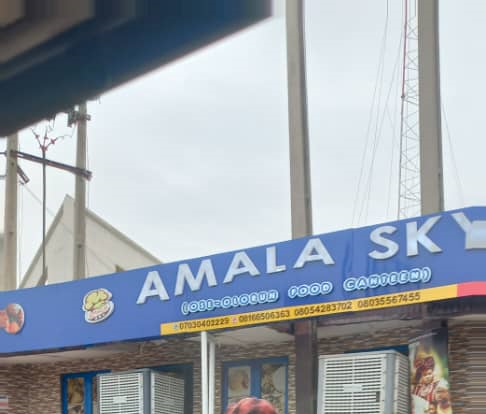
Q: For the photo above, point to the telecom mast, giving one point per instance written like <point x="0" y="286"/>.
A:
<point x="409" y="200"/>
<point x="421" y="177"/>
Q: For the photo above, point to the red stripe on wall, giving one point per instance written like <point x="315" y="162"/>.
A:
<point x="471" y="289"/>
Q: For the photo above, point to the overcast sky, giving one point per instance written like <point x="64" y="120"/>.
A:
<point x="192" y="159"/>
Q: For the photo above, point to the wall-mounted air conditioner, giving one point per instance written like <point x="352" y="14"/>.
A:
<point x="364" y="383"/>
<point x="140" y="392"/>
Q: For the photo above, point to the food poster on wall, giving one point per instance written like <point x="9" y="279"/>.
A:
<point x="4" y="402"/>
<point x="429" y="374"/>
<point x="75" y="395"/>
<point x="239" y="383"/>
<point x="274" y="385"/>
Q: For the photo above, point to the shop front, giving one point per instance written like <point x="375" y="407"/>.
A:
<point x="400" y="327"/>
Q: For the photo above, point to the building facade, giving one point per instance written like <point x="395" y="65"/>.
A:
<point x="107" y="249"/>
<point x="413" y="288"/>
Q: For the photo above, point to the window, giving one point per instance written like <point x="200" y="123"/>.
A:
<point x="79" y="393"/>
<point x="263" y="378"/>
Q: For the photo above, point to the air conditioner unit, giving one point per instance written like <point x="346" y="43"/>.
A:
<point x="140" y="392"/>
<point x="364" y="383"/>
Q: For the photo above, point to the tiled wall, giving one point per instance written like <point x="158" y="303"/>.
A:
<point x="36" y="389"/>
<point x="467" y="363"/>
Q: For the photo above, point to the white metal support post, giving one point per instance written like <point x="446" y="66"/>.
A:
<point x="9" y="272"/>
<point x="212" y="373"/>
<point x="208" y="368"/>
<point x="431" y="168"/>
<point x="204" y="373"/>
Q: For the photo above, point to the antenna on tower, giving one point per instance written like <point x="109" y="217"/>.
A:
<point x="409" y="200"/>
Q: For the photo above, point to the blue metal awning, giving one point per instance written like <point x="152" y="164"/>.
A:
<point x="116" y="42"/>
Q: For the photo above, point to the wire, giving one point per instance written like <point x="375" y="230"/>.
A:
<point x="374" y="146"/>
<point x="68" y="229"/>
<point x="38" y="199"/>
<point x="379" y="132"/>
<point x="402" y="108"/>
<point x="378" y="129"/>
<point x="395" y="137"/>
<point x="453" y="158"/>
<point x="370" y="116"/>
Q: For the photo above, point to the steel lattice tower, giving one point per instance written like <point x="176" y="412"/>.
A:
<point x="409" y="202"/>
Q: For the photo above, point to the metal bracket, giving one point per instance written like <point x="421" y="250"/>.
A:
<point x="75" y="170"/>
<point x="75" y="116"/>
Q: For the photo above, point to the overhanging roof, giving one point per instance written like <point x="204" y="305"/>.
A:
<point x="57" y="53"/>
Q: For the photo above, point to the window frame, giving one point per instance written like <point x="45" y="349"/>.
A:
<point x="256" y="376"/>
<point x="88" y="377"/>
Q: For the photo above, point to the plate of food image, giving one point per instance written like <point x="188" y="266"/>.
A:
<point x="97" y="305"/>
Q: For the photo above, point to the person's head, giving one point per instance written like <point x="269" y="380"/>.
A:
<point x="251" y="405"/>
<point x="425" y="369"/>
<point x="432" y="409"/>
<point x="429" y="362"/>
<point x="428" y="376"/>
<point x="442" y="395"/>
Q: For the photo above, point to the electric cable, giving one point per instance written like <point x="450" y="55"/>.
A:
<point x="69" y="230"/>
<point x="402" y="108"/>
<point x="370" y="117"/>
<point x="379" y="133"/>
<point x="453" y="158"/>
<point x="395" y="138"/>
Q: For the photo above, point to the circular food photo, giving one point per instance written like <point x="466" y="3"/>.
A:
<point x="239" y="381"/>
<point x="99" y="314"/>
<point x="97" y="305"/>
<point x="15" y="318"/>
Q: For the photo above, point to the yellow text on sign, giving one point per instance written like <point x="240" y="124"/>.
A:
<point x="307" y="311"/>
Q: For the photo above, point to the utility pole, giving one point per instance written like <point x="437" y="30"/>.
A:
<point x="44" y="143"/>
<point x="79" y="264"/>
<point x="9" y="272"/>
<point x="300" y="185"/>
<point x="305" y="331"/>
<point x="431" y="168"/>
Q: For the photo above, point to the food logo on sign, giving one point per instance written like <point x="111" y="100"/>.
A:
<point x="12" y="318"/>
<point x="97" y="305"/>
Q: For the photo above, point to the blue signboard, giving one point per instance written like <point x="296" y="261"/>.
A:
<point x="434" y="257"/>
